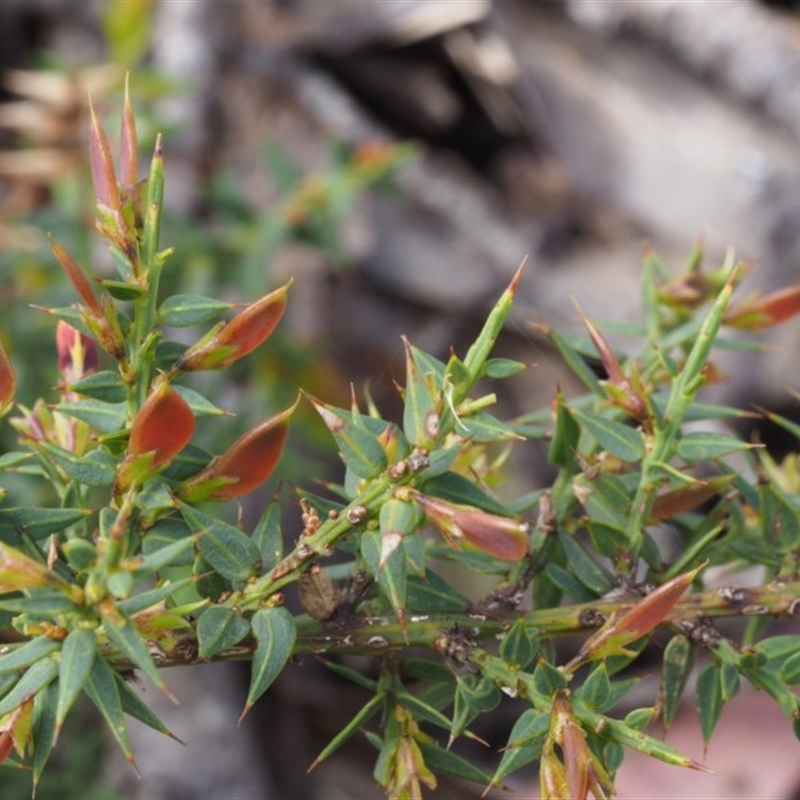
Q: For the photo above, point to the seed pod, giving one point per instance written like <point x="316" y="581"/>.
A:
<point x="319" y="594"/>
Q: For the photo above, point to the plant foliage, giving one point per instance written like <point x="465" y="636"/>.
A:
<point x="132" y="568"/>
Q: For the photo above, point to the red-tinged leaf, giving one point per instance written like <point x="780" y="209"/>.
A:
<point x="77" y="278"/>
<point x="247" y="463"/>
<point x="103" y="177"/>
<point x="8" y="381"/>
<point x="6" y="745"/>
<point x="163" y="426"/>
<point x="764" y="312"/>
<point x="610" y="362"/>
<point x="128" y="144"/>
<point x="654" y="608"/>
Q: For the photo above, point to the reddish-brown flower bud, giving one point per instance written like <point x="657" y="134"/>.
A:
<point x="77" y="353"/>
<point x="246" y="331"/>
<point x="247" y="463"/>
<point x="8" y="381"/>
<point x="501" y="537"/>
<point x="163" y="426"/>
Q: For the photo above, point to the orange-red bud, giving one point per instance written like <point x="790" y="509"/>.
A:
<point x="626" y="628"/>
<point x="501" y="537"/>
<point x="163" y="426"/>
<point x="764" y="312"/>
<point x="247" y="463"/>
<point x="246" y="331"/>
<point x="8" y="381"/>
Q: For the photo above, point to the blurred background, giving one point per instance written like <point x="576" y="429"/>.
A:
<point x="399" y="159"/>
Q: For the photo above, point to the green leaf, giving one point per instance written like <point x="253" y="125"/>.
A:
<point x="519" y="646"/>
<point x="220" y="628"/>
<point x="446" y="762"/>
<point x="122" y="290"/>
<point x="779" y="520"/>
<point x="201" y="406"/>
<point x="501" y="368"/>
<point x="44" y="729"/>
<point x="364" y="715"/>
<point x="585" y="568"/>
<point x="103" y="691"/>
<point x="74" y="666"/>
<point x="124" y="635"/>
<point x="104" y="385"/>
<point x="227" y="549"/>
<point x="458" y="489"/>
<point x="478" y="353"/>
<point x="391" y="575"/>
<point x="39" y="604"/>
<point x="547" y="679"/>
<point x="39" y="522"/>
<point x="706" y="446"/>
<point x="677" y="665"/>
<point x="26" y="654"/>
<point x="135" y="707"/>
<point x="709" y="699"/>
<point x="268" y="537"/>
<point x="103" y="417"/>
<point x="608" y="500"/>
<point x="596" y="689"/>
<point x="525" y="743"/>
<point x="275" y="632"/>
<point x="356" y="439"/>
<point x="165" y="533"/>
<point x="568" y="584"/>
<point x="566" y="435"/>
<point x="36" y="677"/>
<point x="144" y="600"/>
<point x="622" y="441"/>
<point x="176" y="553"/>
<point x="433" y="593"/>
<point x="422" y="401"/>
<point x="185" y="310"/>
<point x="96" y="468"/>
<point x="422" y="710"/>
<point x="483" y="427"/>
<point x="209" y="584"/>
